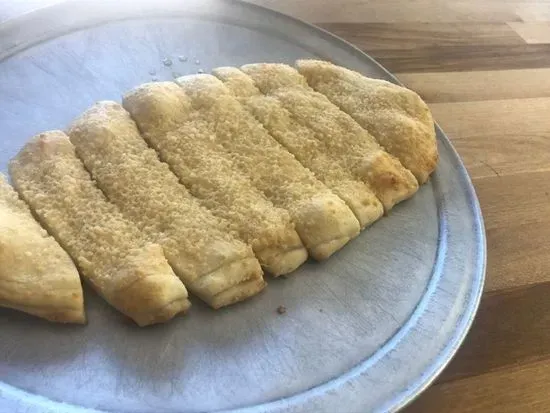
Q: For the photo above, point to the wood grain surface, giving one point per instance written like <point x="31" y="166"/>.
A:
<point x="484" y="68"/>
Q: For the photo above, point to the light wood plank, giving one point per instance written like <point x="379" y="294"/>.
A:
<point x="520" y="199"/>
<point x="534" y="11"/>
<point x="519" y="389"/>
<point x="517" y="218"/>
<point x="480" y="85"/>
<point x="516" y="210"/>
<point x="398" y="10"/>
<point x="532" y="32"/>
<point x="511" y="328"/>
<point x="393" y="36"/>
<point x="500" y="137"/>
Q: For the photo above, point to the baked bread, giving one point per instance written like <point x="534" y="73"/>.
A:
<point x="323" y="221"/>
<point x="164" y="115"/>
<point x="212" y="264"/>
<point x="397" y="117"/>
<point x="36" y="275"/>
<point x="130" y="272"/>
<point x="300" y="140"/>
<point x="345" y="141"/>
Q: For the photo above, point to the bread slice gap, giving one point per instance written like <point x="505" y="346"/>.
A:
<point x="344" y="140"/>
<point x="164" y="116"/>
<point x="323" y="221"/>
<point x="195" y="242"/>
<point x="300" y="140"/>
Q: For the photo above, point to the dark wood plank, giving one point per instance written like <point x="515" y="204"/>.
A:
<point x="463" y="58"/>
<point x="518" y="255"/>
<point x="512" y="327"/>
<point x="519" y="389"/>
<point x="398" y="36"/>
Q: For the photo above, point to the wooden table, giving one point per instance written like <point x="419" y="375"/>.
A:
<point x="484" y="68"/>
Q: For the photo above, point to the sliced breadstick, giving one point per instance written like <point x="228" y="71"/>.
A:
<point x="300" y="140"/>
<point x="345" y="141"/>
<point x="163" y="114"/>
<point x="210" y="262"/>
<point x="397" y="117"/>
<point x="127" y="270"/>
<point x="322" y="219"/>
<point x="36" y="275"/>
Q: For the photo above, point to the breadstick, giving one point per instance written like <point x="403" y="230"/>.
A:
<point x="299" y="140"/>
<point x="345" y="141"/>
<point x="36" y="275"/>
<point x="397" y="117"/>
<point x="131" y="273"/>
<point x="323" y="221"/>
<point x="163" y="114"/>
<point x="215" y="266"/>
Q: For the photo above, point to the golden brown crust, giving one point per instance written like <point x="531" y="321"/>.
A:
<point x="344" y="140"/>
<point x="300" y="140"/>
<point x="212" y="178"/>
<point x="279" y="262"/>
<point x="247" y="288"/>
<point x="290" y="161"/>
<point x="154" y="296"/>
<point x="270" y="167"/>
<point x="195" y="242"/>
<point x="397" y="117"/>
<point x="240" y="288"/>
<point x="36" y="275"/>
<point x="325" y="224"/>
<point x="128" y="271"/>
